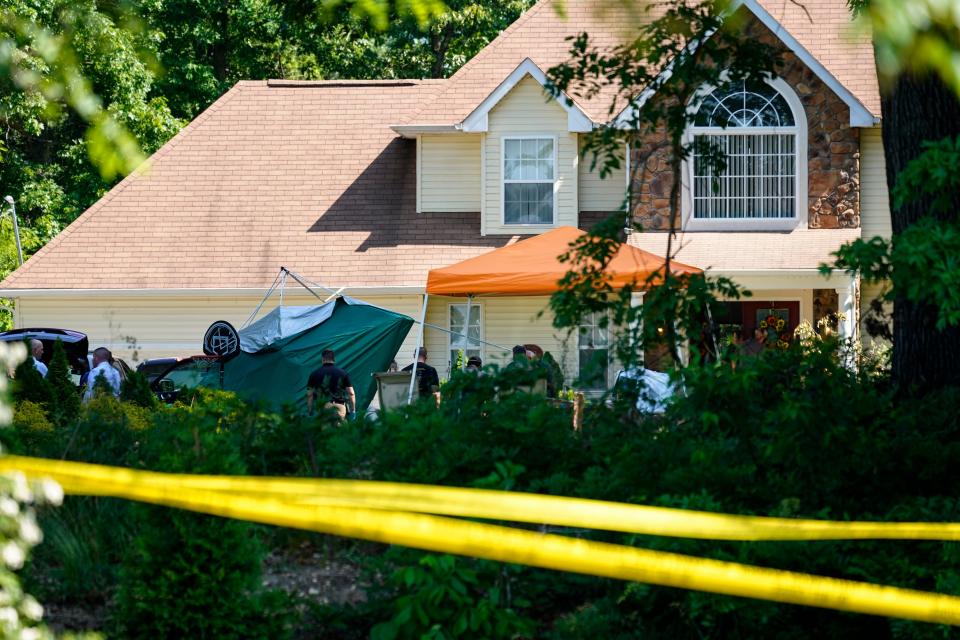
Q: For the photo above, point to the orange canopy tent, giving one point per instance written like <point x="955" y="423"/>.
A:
<point x="533" y="267"/>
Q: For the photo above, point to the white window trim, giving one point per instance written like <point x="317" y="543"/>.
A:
<point x="802" y="187"/>
<point x="503" y="179"/>
<point x="419" y="174"/>
<point x="473" y="304"/>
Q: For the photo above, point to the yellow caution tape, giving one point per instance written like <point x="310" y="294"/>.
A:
<point x="505" y="506"/>
<point x="504" y="544"/>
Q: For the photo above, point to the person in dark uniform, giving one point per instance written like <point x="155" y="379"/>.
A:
<point x="331" y="385"/>
<point x="428" y="381"/>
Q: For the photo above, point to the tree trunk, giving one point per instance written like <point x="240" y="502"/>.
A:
<point x="439" y="44"/>
<point x="221" y="47"/>
<point x="916" y="110"/>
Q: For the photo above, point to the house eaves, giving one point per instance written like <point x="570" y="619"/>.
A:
<point x="477" y="121"/>
<point x="414" y="130"/>
<point x="199" y="292"/>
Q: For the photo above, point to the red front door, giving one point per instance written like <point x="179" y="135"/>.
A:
<point x="755" y="308"/>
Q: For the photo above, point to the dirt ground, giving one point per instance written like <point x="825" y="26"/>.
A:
<point x="313" y="577"/>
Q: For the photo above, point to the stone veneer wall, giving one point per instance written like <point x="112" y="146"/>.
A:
<point x="833" y="174"/>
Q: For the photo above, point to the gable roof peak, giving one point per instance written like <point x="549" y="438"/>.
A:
<point x="477" y="120"/>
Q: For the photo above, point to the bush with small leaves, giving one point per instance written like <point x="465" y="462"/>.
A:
<point x="136" y="390"/>
<point x="191" y="575"/>
<point x="28" y="384"/>
<point x="64" y="404"/>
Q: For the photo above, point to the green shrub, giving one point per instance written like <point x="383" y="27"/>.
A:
<point x="29" y="385"/>
<point x="189" y="575"/>
<point x="32" y="430"/>
<point x="135" y="389"/>
<point x="441" y="597"/>
<point x="791" y="433"/>
<point x="106" y="432"/>
<point x="84" y="543"/>
<point x="64" y="407"/>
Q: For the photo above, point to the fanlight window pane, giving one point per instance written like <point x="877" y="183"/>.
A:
<point x="528" y="173"/>
<point x="749" y="104"/>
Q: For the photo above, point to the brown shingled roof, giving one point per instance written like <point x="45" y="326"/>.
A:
<point x="728" y="251"/>
<point x="309" y="175"/>
<point x="823" y="27"/>
<point x="306" y="175"/>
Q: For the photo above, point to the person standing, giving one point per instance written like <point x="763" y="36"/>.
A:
<point x="428" y="380"/>
<point x="102" y="368"/>
<point x="331" y="385"/>
<point x="539" y="361"/>
<point x="755" y="345"/>
<point x="36" y="348"/>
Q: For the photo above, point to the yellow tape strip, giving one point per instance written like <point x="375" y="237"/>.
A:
<point x="435" y="533"/>
<point x="507" y="506"/>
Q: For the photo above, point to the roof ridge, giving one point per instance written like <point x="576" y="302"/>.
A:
<point x="332" y="82"/>
<point x="491" y="46"/>
<point x="118" y="188"/>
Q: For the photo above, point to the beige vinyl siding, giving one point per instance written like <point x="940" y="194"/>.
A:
<point x="874" y="196"/>
<point x="139" y="328"/>
<point x="601" y="194"/>
<point x="525" y="111"/>
<point x="869" y="293"/>
<point x="505" y="321"/>
<point x="874" y="209"/>
<point x="449" y="173"/>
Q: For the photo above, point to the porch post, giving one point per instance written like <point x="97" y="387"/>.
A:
<point x="466" y="331"/>
<point x="636" y="301"/>
<point x="416" y="349"/>
<point x="847" y="305"/>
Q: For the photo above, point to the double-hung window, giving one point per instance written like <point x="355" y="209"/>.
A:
<point x="754" y="128"/>
<point x="465" y="335"/>
<point x="529" y="178"/>
<point x="594" y="351"/>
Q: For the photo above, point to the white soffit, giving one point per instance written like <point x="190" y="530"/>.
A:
<point x="860" y="116"/>
<point x="476" y="122"/>
<point x="413" y="130"/>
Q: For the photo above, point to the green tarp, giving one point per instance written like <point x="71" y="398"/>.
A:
<point x="280" y="350"/>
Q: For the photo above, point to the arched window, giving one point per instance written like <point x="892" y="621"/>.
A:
<point x="757" y="130"/>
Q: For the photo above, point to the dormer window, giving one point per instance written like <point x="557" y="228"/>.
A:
<point x="529" y="180"/>
<point x="760" y="134"/>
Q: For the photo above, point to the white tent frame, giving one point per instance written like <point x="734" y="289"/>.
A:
<point x="279" y="284"/>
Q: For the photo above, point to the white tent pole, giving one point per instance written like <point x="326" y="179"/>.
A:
<point x="416" y="351"/>
<point x="334" y="294"/>
<point x="283" y="284"/>
<point x="304" y="284"/>
<point x="264" y="299"/>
